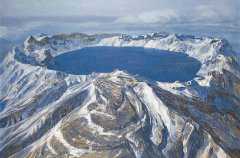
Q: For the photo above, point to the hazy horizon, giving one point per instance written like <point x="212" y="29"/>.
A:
<point x="220" y="18"/>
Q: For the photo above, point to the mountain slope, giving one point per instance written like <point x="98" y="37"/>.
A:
<point x="53" y="114"/>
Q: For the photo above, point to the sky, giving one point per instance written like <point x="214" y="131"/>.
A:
<point x="24" y="15"/>
<point x="145" y="11"/>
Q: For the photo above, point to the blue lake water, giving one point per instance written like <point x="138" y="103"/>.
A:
<point x="2" y="105"/>
<point x="149" y="63"/>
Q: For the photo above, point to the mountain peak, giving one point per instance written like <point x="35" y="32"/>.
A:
<point x="49" y="113"/>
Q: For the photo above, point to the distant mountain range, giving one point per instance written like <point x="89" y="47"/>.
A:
<point x="5" y="46"/>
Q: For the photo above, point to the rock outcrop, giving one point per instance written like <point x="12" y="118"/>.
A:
<point x="53" y="114"/>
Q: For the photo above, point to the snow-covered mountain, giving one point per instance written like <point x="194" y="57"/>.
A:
<point x="5" y="46"/>
<point x="46" y="113"/>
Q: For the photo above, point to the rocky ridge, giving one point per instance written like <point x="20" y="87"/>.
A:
<point x="53" y="114"/>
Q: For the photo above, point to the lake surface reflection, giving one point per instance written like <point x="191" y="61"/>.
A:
<point x="149" y="63"/>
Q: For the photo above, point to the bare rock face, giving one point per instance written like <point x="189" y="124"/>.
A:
<point x="116" y="115"/>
